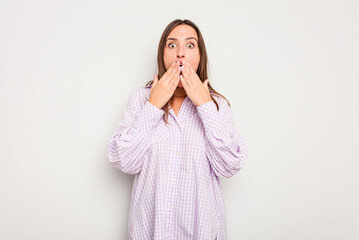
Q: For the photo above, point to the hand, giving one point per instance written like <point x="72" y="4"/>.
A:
<point x="197" y="91"/>
<point x="163" y="89"/>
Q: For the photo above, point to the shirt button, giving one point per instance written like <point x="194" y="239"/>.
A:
<point x="173" y="179"/>
<point x="176" y="152"/>
<point x="171" y="206"/>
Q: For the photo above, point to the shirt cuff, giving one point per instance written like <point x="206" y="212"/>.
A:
<point x="148" y="118"/>
<point x="210" y="116"/>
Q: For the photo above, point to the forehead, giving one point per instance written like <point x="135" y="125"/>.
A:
<point x="183" y="31"/>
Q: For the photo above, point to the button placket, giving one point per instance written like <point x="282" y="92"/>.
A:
<point x="173" y="171"/>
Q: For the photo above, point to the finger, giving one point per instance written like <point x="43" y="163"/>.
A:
<point x="155" y="80"/>
<point x="175" y="74"/>
<point x="187" y="75"/>
<point x="205" y="83"/>
<point x="171" y="71"/>
<point x="180" y="70"/>
<point x="185" y="72"/>
<point x="184" y="83"/>
<point x="190" y="68"/>
<point x="174" y="66"/>
<point x="193" y="77"/>
<point x="175" y="83"/>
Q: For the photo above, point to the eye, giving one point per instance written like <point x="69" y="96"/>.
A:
<point x="169" y="45"/>
<point x="190" y="44"/>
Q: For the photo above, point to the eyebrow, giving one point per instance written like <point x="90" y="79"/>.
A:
<point x="175" y="39"/>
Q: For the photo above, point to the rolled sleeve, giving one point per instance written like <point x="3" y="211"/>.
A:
<point x="225" y="147"/>
<point x="148" y="118"/>
<point x="210" y="116"/>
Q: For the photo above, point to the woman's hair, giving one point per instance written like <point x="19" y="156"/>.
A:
<point x="202" y="67"/>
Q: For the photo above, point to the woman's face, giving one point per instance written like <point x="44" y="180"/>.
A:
<point x="182" y="44"/>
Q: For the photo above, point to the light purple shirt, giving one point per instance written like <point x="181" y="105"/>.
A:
<point x="176" y="191"/>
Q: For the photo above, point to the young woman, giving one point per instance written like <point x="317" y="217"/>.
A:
<point x="177" y="137"/>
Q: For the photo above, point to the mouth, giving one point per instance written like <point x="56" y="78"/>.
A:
<point x="181" y="66"/>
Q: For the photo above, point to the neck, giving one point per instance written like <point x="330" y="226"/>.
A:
<point x="179" y="93"/>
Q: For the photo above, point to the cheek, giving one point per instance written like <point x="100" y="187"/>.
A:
<point x="167" y="64"/>
<point x="195" y="64"/>
<point x="168" y="59"/>
<point x="194" y="59"/>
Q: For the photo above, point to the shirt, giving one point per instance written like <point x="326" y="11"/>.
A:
<point x="176" y="191"/>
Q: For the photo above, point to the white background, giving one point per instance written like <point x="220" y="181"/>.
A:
<point x="289" y="69"/>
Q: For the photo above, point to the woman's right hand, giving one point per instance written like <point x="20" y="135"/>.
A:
<point x="163" y="89"/>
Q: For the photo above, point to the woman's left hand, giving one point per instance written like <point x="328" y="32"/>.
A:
<point x="197" y="91"/>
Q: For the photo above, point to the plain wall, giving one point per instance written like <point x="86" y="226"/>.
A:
<point x="288" y="68"/>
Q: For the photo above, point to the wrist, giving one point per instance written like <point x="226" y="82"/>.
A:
<point x="154" y="104"/>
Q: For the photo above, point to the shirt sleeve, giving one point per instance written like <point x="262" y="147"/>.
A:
<point x="225" y="147"/>
<point x="132" y="137"/>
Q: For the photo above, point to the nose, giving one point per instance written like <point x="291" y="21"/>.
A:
<point x="180" y="52"/>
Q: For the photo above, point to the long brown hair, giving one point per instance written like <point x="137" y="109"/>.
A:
<point x="202" y="67"/>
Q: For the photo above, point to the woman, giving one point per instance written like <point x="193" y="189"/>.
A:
<point x="177" y="137"/>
